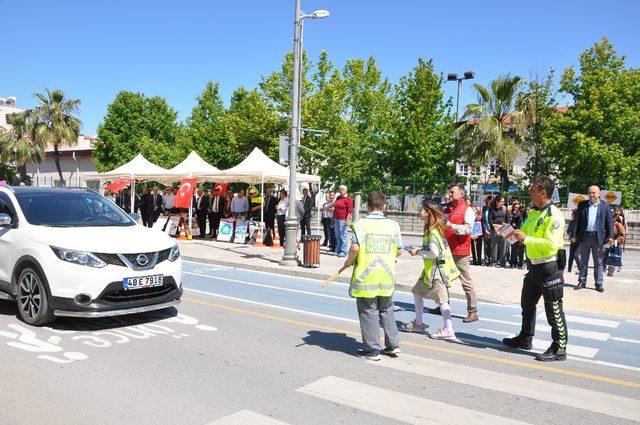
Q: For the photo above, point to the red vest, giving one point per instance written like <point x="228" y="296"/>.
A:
<point x="459" y="244"/>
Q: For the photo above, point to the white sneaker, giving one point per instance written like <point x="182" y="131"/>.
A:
<point x="443" y="334"/>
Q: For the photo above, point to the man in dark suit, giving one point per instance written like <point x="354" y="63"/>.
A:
<point x="270" y="206"/>
<point x="144" y="206"/>
<point x="216" y="211"/>
<point x="155" y="206"/>
<point x="202" y="208"/>
<point x="593" y="228"/>
<point x="305" y="221"/>
<point x="124" y="200"/>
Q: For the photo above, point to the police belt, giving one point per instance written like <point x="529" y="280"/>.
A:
<point x="546" y="260"/>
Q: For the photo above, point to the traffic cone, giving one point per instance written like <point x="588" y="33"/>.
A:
<point x="259" y="240"/>
<point x="276" y="240"/>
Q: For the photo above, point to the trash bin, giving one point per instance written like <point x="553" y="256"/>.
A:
<point x="311" y="250"/>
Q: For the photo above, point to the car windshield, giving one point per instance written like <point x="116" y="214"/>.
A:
<point x="71" y="209"/>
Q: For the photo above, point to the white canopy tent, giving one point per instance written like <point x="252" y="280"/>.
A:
<point x="259" y="168"/>
<point x="139" y="168"/>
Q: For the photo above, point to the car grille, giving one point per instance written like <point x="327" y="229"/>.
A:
<point x="115" y="260"/>
<point x="115" y="293"/>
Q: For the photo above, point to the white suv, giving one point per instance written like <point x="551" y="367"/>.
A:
<point x="72" y="252"/>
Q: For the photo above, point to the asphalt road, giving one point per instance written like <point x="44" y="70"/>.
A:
<point x="254" y="348"/>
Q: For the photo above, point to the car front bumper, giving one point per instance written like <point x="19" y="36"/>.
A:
<point x="117" y="312"/>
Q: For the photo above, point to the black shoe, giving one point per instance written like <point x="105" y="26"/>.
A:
<point x="391" y="351"/>
<point x="552" y="354"/>
<point x="580" y="285"/>
<point x="369" y="355"/>
<point x="599" y="288"/>
<point x="518" y="341"/>
<point x="435" y="311"/>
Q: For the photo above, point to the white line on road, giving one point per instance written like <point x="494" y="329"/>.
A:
<point x="630" y="341"/>
<point x="246" y="417"/>
<point x="278" y="307"/>
<point x="606" y="404"/>
<point x="598" y="336"/>
<point x="395" y="405"/>
<point x="278" y="288"/>
<point x="589" y="321"/>
<point x="572" y="349"/>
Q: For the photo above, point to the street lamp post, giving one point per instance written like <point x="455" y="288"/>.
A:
<point x="454" y="77"/>
<point x="289" y="257"/>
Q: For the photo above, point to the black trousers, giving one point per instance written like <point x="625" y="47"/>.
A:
<point x="498" y="248"/>
<point x="476" y="250"/>
<point x="270" y="224"/>
<point x="572" y="255"/>
<point x="281" y="229"/>
<point x="214" y="223"/>
<point x="488" y="249"/>
<point x="546" y="281"/>
<point x="305" y="225"/>
<point x="145" y="218"/>
<point x="153" y="217"/>
<point x="202" y="222"/>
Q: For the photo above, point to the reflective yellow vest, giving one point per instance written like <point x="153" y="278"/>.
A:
<point x="444" y="263"/>
<point x="374" y="274"/>
<point x="545" y="232"/>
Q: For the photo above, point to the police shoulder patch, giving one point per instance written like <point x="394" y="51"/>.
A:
<point x="556" y="224"/>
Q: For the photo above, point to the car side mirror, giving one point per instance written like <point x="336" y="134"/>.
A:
<point x="5" y="220"/>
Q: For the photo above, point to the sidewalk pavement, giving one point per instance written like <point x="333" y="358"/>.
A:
<point x="621" y="296"/>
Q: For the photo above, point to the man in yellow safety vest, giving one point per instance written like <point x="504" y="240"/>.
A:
<point x="375" y="244"/>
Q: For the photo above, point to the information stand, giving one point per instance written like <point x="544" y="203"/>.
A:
<point x="242" y="231"/>
<point x="225" y="231"/>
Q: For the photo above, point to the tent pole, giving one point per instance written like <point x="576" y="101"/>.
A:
<point x="133" y="190"/>
<point x="191" y="207"/>
<point x="262" y="208"/>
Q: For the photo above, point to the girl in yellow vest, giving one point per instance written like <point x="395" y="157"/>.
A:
<point x="439" y="272"/>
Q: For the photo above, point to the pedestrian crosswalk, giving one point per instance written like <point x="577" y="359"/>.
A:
<point x="402" y="407"/>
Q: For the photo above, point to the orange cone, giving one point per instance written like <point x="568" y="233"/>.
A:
<point x="259" y="240"/>
<point x="276" y="240"/>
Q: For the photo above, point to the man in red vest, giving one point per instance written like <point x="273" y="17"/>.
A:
<point x="458" y="233"/>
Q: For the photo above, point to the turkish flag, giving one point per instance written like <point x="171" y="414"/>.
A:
<point x="185" y="193"/>
<point x="222" y="187"/>
<point x="118" y="185"/>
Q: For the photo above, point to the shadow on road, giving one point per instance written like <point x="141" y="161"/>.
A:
<point x="333" y="342"/>
<point x="476" y="341"/>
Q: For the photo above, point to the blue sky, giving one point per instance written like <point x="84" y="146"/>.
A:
<point x="93" y="49"/>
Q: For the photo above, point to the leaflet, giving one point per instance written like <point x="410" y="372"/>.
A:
<point x="507" y="232"/>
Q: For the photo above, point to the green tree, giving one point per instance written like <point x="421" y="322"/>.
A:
<point x="493" y="127"/>
<point x="421" y="148"/>
<point x="205" y="129"/>
<point x="55" y="122"/>
<point x="138" y="124"/>
<point x="18" y="144"/>
<point x="597" y="140"/>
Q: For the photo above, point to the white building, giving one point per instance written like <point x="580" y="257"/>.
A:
<point x="75" y="161"/>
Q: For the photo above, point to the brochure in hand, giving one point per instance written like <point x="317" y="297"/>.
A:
<point x="506" y="231"/>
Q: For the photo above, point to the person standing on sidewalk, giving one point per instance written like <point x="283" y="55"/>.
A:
<point x="486" y="228"/>
<point x="327" y="223"/>
<point x="342" y="210"/>
<point x="542" y="235"/>
<point x="574" y="245"/>
<point x="458" y="233"/>
<point x="376" y="242"/>
<point x="593" y="229"/>
<point x="305" y="218"/>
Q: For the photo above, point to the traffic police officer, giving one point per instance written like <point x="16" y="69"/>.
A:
<point x="375" y="244"/>
<point x="543" y="236"/>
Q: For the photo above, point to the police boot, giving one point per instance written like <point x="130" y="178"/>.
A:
<point x="553" y="353"/>
<point x="518" y="341"/>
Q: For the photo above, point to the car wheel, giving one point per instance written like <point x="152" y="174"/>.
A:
<point x="33" y="301"/>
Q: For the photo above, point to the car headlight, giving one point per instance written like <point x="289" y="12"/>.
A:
<point x="175" y="253"/>
<point x="78" y="257"/>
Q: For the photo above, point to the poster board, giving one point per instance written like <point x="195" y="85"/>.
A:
<point x="611" y="196"/>
<point x="172" y="225"/>
<point x="477" y="229"/>
<point x="242" y="229"/>
<point x="225" y="231"/>
<point x="575" y="199"/>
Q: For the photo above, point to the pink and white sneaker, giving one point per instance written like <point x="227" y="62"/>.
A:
<point x="443" y="334"/>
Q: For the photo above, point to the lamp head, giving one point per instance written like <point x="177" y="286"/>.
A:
<point x="469" y="75"/>
<point x="452" y="77"/>
<point x="320" y="14"/>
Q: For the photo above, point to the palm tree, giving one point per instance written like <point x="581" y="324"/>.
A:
<point x="18" y="144"/>
<point x="55" y="122"/>
<point x="493" y="127"/>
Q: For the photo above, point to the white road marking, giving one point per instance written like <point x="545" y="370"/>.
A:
<point x="395" y="405"/>
<point x="598" y="336"/>
<point x="246" y="417"/>
<point x="572" y="349"/>
<point x="278" y="307"/>
<point x="606" y="404"/>
<point x="590" y="321"/>
<point x="278" y="288"/>
<point x="636" y="322"/>
<point x="631" y="341"/>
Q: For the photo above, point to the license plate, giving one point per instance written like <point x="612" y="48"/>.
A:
<point x="142" y="281"/>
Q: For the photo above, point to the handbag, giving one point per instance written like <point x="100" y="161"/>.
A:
<point x="614" y="256"/>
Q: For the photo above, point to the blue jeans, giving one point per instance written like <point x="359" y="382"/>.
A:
<point x="342" y="237"/>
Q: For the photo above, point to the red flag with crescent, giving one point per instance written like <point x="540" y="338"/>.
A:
<point x="185" y="193"/>
<point x="118" y="185"/>
<point x="221" y="186"/>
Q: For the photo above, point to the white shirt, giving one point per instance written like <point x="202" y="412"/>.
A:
<point x="328" y="213"/>
<point x="283" y="206"/>
<point x="215" y="203"/>
<point x="465" y="228"/>
<point x="167" y="201"/>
